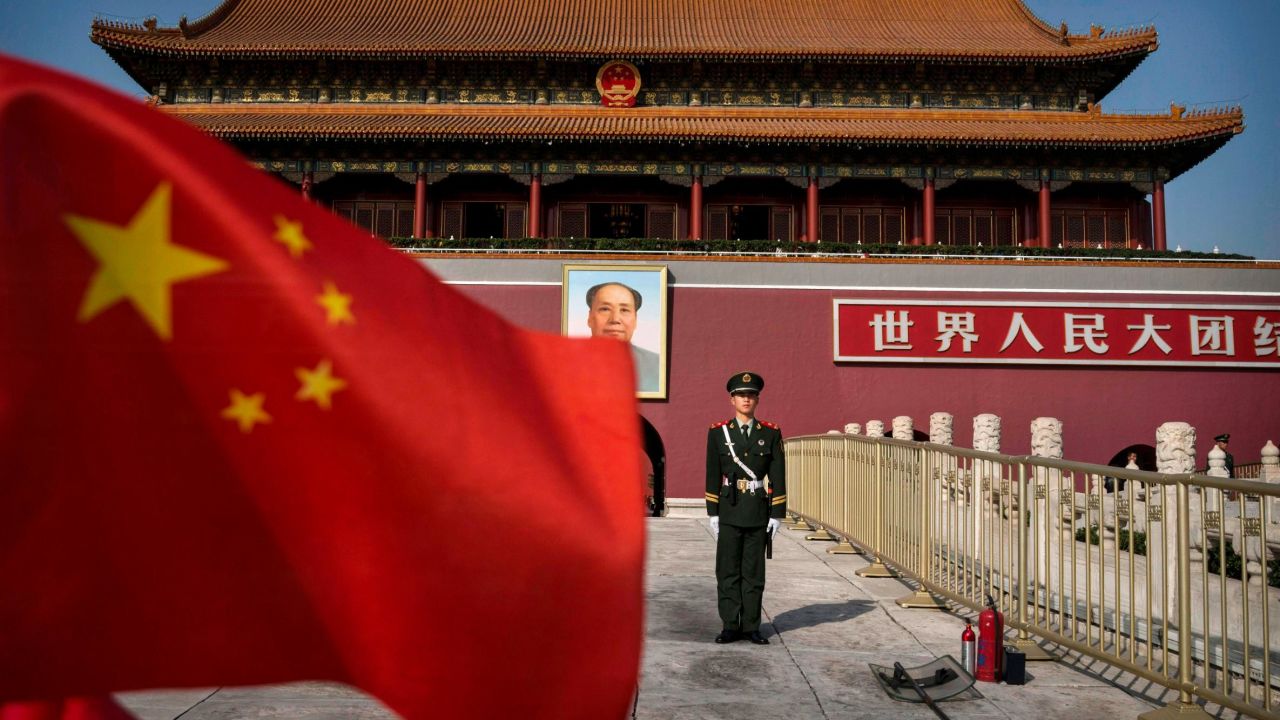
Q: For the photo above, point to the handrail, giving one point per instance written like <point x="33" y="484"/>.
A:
<point x="1145" y="578"/>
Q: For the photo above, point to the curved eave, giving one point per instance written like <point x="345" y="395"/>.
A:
<point x="143" y="43"/>
<point x="767" y="126"/>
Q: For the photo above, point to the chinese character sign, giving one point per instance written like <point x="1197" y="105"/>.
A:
<point x="927" y="331"/>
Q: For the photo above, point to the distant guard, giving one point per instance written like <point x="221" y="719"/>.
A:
<point x="1221" y="442"/>
<point x="746" y="498"/>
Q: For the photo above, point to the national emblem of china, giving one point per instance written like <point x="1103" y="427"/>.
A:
<point x="618" y="82"/>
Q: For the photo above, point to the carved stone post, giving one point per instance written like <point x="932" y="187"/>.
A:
<point x="1270" y="473"/>
<point x="1175" y="448"/>
<point x="903" y="428"/>
<point x="940" y="424"/>
<point x="986" y="437"/>
<point x="986" y="432"/>
<point x="875" y="429"/>
<point x="1046" y="442"/>
<point x="853" y="429"/>
<point x="1175" y="455"/>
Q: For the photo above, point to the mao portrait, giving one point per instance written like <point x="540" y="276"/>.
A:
<point x="627" y="303"/>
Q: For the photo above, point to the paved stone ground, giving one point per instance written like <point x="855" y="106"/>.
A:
<point x="825" y="625"/>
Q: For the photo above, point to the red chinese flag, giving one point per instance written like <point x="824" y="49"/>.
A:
<point x="242" y="442"/>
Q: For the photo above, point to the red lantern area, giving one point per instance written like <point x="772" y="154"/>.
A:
<point x="618" y="82"/>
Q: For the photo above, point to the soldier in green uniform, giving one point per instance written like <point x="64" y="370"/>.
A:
<point x="1221" y="441"/>
<point x="746" y="498"/>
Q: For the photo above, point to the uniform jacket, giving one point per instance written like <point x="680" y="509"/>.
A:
<point x="762" y="453"/>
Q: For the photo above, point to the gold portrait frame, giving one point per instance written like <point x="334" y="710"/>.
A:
<point x="649" y="338"/>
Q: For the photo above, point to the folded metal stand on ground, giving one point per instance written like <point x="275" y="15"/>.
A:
<point x="938" y="680"/>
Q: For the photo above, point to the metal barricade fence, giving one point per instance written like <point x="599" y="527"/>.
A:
<point x="1160" y="575"/>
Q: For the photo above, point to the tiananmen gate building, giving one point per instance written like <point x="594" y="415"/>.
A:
<point x="918" y="122"/>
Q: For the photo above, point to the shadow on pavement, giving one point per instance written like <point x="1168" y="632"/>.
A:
<point x="819" y="614"/>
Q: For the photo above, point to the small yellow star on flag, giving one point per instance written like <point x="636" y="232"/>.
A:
<point x="336" y="304"/>
<point x="246" y="410"/>
<point x="318" y="384"/>
<point x="289" y="233"/>
<point x="139" y="263"/>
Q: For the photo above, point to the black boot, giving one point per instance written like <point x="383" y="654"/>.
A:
<point x="727" y="636"/>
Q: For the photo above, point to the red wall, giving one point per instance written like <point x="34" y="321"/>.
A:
<point x="786" y="337"/>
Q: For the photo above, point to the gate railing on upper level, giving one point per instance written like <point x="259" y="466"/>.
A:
<point x="1161" y="575"/>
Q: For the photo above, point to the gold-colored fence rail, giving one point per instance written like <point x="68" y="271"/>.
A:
<point x="1164" y="576"/>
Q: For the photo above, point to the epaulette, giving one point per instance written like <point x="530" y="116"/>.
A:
<point x="720" y="424"/>
<point x="767" y="424"/>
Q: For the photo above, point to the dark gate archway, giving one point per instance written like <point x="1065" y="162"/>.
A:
<point x="657" y="454"/>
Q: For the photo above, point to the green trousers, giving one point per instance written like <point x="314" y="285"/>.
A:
<point x="740" y="576"/>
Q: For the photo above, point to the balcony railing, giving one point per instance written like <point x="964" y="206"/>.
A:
<point x="1165" y="578"/>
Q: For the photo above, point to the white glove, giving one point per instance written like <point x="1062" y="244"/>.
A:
<point x="774" y="524"/>
<point x="715" y="525"/>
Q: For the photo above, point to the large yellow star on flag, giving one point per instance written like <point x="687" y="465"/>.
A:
<point x="246" y="410"/>
<point x="138" y="262"/>
<point x="337" y="305"/>
<point x="289" y="233"/>
<point x="319" y="384"/>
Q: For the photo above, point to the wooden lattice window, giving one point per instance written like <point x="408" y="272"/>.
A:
<point x="962" y="227"/>
<point x="515" y="217"/>
<point x="364" y="216"/>
<point x="829" y="224"/>
<point x="451" y="216"/>
<point x="1086" y="227"/>
<point x="894" y="227"/>
<point x="871" y="226"/>
<point x="573" y="221"/>
<point x="971" y="226"/>
<point x="384" y="218"/>
<point x="718" y="223"/>
<point x="404" y="220"/>
<point x="1117" y="233"/>
<point x="874" y="225"/>
<point x="345" y="210"/>
<point x="660" y="221"/>
<point x="780" y="223"/>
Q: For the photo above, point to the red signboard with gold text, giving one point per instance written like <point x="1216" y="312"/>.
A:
<point x="947" y="331"/>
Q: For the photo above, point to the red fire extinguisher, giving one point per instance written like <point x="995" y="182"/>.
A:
<point x="990" y="644"/>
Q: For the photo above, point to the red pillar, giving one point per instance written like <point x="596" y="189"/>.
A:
<point x="308" y="178"/>
<point x="811" y="208"/>
<point x="695" y="208"/>
<point x="535" y="206"/>
<point x="1157" y="215"/>
<point x="420" y="206"/>
<point x="1046" y="234"/>
<point x="929" y="237"/>
<point x="1028" y="226"/>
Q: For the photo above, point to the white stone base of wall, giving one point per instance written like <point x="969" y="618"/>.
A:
<point x="686" y="507"/>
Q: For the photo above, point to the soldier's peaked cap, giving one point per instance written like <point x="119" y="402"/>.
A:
<point x="1224" y="437"/>
<point x="745" y="381"/>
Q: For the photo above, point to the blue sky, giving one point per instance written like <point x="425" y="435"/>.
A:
<point x="1210" y="54"/>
